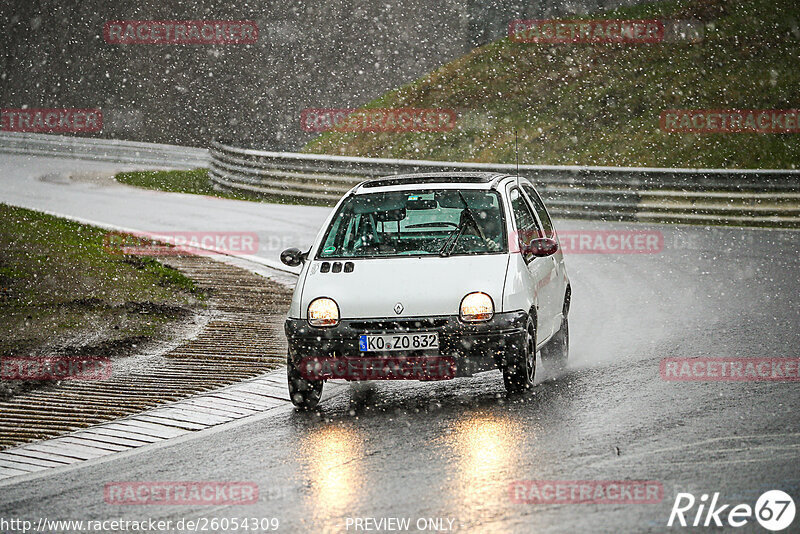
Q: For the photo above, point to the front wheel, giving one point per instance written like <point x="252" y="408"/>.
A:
<point x="520" y="366"/>
<point x="556" y="351"/>
<point x="304" y="393"/>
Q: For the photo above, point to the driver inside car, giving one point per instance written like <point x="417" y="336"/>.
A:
<point x="484" y="236"/>
<point x="370" y="240"/>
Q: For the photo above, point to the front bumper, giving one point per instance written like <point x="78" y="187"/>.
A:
<point x="474" y="347"/>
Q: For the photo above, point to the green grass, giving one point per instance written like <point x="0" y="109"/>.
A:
<point x="62" y="292"/>
<point x="588" y="104"/>
<point x="197" y="182"/>
<point x="59" y="260"/>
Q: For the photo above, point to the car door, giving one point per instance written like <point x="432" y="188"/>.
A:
<point x="540" y="270"/>
<point x="557" y="287"/>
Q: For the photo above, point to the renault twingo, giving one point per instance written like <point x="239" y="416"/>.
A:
<point x="461" y="268"/>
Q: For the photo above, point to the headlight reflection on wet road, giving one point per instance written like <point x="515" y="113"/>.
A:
<point x="333" y="456"/>
<point x="486" y="453"/>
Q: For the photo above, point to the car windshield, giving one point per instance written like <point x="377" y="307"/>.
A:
<point x="416" y="223"/>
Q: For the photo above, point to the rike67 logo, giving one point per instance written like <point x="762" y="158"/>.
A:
<point x="774" y="510"/>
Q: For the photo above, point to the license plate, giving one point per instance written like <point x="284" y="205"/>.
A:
<point x="390" y="342"/>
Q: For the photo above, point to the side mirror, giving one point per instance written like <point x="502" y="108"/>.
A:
<point x="541" y="247"/>
<point x="293" y="257"/>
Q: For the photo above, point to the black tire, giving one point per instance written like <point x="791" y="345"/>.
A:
<point x="305" y="394"/>
<point x="520" y="366"/>
<point x="556" y="351"/>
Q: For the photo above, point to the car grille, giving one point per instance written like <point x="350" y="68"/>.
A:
<point x="396" y="325"/>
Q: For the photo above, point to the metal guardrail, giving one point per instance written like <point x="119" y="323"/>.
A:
<point x="113" y="150"/>
<point x="705" y="196"/>
<point x="696" y="196"/>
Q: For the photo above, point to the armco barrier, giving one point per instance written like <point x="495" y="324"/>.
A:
<point x="117" y="151"/>
<point x="697" y="196"/>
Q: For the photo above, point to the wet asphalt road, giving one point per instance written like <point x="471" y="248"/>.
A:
<point x="450" y="450"/>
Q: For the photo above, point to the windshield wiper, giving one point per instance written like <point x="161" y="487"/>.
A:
<point x="457" y="233"/>
<point x="459" y="230"/>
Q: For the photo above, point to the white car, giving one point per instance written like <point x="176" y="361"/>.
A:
<point x="429" y="276"/>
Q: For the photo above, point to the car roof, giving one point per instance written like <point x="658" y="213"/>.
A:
<point x="444" y="180"/>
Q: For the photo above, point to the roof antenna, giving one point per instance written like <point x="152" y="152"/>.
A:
<point x="516" y="152"/>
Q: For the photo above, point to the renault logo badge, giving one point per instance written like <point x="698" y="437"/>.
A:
<point x="398" y="308"/>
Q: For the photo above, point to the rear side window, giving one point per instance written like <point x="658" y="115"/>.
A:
<point x="538" y="205"/>
<point x="527" y="227"/>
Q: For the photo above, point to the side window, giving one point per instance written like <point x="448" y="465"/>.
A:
<point x="526" y="222"/>
<point x="339" y="228"/>
<point x="538" y="205"/>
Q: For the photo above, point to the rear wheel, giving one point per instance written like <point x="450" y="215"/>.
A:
<point x="520" y="365"/>
<point x="556" y="351"/>
<point x="305" y="394"/>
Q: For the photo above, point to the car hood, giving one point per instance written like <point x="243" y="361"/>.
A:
<point x="425" y="286"/>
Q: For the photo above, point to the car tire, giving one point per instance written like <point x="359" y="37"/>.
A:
<point x="556" y="351"/>
<point x="304" y="394"/>
<point x="520" y="365"/>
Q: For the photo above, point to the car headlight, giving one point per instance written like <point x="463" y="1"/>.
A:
<point x="476" y="307"/>
<point x="323" y="312"/>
